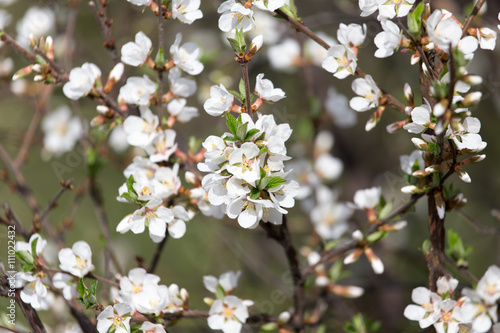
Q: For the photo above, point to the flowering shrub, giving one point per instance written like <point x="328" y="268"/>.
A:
<point x="251" y="171"/>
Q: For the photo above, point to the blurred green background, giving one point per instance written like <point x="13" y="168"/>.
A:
<point x="211" y="247"/>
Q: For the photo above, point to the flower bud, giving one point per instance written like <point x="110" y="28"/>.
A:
<point x="472" y="98"/>
<point x="255" y="46"/>
<point x="190" y="177"/>
<point x="408" y="94"/>
<point x="420" y="144"/>
<point x="347" y="291"/>
<point x="472" y="79"/>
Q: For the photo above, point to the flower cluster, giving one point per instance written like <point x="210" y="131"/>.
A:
<point x="247" y="172"/>
<point x="227" y="312"/>
<point x="476" y="310"/>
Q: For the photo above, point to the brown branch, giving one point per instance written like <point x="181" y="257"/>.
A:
<point x="9" y="329"/>
<point x="104" y="22"/>
<point x="12" y="219"/>
<point x="19" y="181"/>
<point x="391" y="100"/>
<point x="161" y="47"/>
<point x="244" y="71"/>
<point x="30" y="133"/>
<point x="157" y="254"/>
<point x="281" y="234"/>
<point x="475" y="223"/>
<point x="53" y="202"/>
<point x="472" y="15"/>
<point x="342" y="249"/>
<point x="463" y="270"/>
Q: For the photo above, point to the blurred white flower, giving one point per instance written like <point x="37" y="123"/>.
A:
<point x="61" y="131"/>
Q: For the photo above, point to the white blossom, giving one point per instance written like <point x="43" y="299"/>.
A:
<point x="387" y="41"/>
<point x="115" y="318"/>
<point x="186" y="11"/>
<point x="141" y="131"/>
<point x="180" y="86"/>
<point x="228" y="281"/>
<point x="186" y="56"/>
<point x="265" y="89"/>
<point x="34" y="291"/>
<point x="337" y="105"/>
<point x="220" y="101"/>
<point x="352" y="35"/>
<point x="235" y="17"/>
<point x="367" y="198"/>
<point x="61" y="131"/>
<point x="177" y="108"/>
<point x="81" y="81"/>
<point x="136" y="53"/>
<point x="138" y="90"/>
<point x="269" y="5"/>
<point x="368" y="92"/>
<point x="36" y="22"/>
<point x="443" y="30"/>
<point x="77" y="260"/>
<point x="341" y="61"/>
<point x="284" y="56"/>
<point x="228" y="314"/>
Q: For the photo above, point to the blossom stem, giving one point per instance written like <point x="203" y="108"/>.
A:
<point x="156" y="257"/>
<point x="472" y="15"/>
<point x="160" y="69"/>
<point x="244" y="70"/>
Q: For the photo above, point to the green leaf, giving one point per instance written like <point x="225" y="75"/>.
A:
<point x="254" y="193"/>
<point x="262" y="173"/>
<point x="236" y="95"/>
<point x="275" y="182"/>
<point x="130" y="185"/>
<point x="330" y="245"/>
<point x="251" y="133"/>
<point x="241" y="132"/>
<point x="385" y="211"/>
<point x="426" y="246"/>
<point x="82" y="288"/>
<point x="336" y="271"/>
<point x="269" y="327"/>
<point x="376" y="236"/>
<point x="25" y="256"/>
<point x="220" y="293"/>
<point x="229" y="138"/>
<point x="242" y="89"/>
<point x="33" y="248"/>
<point x="28" y="267"/>
<point x="93" y="287"/>
<point x="434" y="148"/>
<point x="194" y="144"/>
<point x="415" y="20"/>
<point x="231" y="123"/>
<point x="160" y="58"/>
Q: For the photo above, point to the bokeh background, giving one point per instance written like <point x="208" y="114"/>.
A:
<point x="211" y="247"/>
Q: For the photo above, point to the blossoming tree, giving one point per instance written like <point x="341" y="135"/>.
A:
<point x="245" y="174"/>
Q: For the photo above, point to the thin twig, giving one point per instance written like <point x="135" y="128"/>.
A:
<point x="101" y="16"/>
<point x="14" y="220"/>
<point x="244" y="70"/>
<point x="342" y="249"/>
<point x="472" y="15"/>
<point x="391" y="100"/>
<point x="475" y="223"/>
<point x="161" y="46"/>
<point x="30" y="133"/>
<point x="52" y="203"/>
<point x="463" y="270"/>
<point x="156" y="257"/>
